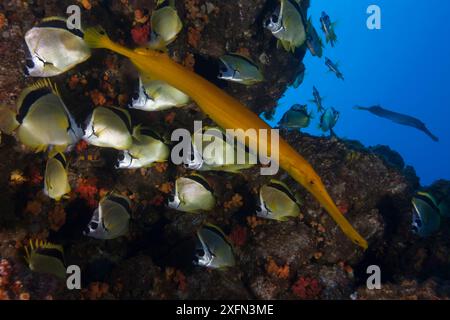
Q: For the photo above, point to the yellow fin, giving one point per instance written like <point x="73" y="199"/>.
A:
<point x="40" y="244"/>
<point x="47" y="19"/>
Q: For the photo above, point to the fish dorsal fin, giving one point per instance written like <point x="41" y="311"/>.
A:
<point x="146" y="131"/>
<point x="121" y="200"/>
<point x="240" y="56"/>
<point x="201" y="180"/>
<point x="217" y="231"/>
<point x="59" y="23"/>
<point x="33" y="93"/>
<point x="299" y="107"/>
<point x="43" y="246"/>
<point x="137" y="131"/>
<point x="124" y="115"/>
<point x="429" y="199"/>
<point x="61" y="158"/>
<point x="281" y="186"/>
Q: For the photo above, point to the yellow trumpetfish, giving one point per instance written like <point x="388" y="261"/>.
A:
<point x="228" y="113"/>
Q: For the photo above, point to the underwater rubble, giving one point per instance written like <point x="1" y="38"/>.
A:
<point x="304" y="258"/>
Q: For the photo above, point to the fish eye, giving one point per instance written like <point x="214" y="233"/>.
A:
<point x="136" y="95"/>
<point x="171" y="198"/>
<point x="274" y="18"/>
<point x="200" y="252"/>
<point x="223" y="68"/>
<point x="121" y="157"/>
<point x="93" y="225"/>
<point x="417" y="223"/>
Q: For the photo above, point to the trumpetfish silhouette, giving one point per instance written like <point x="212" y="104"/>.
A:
<point x="228" y="113"/>
<point x="399" y="118"/>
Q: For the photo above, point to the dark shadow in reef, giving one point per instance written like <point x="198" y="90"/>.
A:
<point x="209" y="68"/>
<point x="78" y="216"/>
<point x="374" y="256"/>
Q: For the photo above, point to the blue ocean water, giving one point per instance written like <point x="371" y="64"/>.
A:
<point x="404" y="67"/>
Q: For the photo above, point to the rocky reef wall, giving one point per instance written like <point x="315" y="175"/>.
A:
<point x="304" y="258"/>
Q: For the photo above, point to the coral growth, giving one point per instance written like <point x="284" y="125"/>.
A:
<point x="307" y="288"/>
<point x="272" y="268"/>
<point x="87" y="190"/>
<point x="141" y="34"/>
<point x="238" y="236"/>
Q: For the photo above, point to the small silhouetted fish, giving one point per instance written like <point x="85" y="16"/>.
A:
<point x="334" y="68"/>
<point x="328" y="28"/>
<point x="399" y="118"/>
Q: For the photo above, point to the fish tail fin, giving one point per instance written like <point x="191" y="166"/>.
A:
<point x="8" y="121"/>
<point x="96" y="37"/>
<point x="432" y="136"/>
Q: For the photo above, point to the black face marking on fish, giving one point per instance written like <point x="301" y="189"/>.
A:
<point x="150" y="133"/>
<point x="30" y="63"/>
<point x="121" y="201"/>
<point x="147" y="97"/>
<point x="29" y="100"/>
<point x="283" y="189"/>
<point x="61" y="159"/>
<point x="217" y="232"/>
<point x="201" y="181"/>
<point x="200" y="252"/>
<point x="121" y="114"/>
<point x="428" y="201"/>
<point x="60" y="24"/>
<point x="248" y="60"/>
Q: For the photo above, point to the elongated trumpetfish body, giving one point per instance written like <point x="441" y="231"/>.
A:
<point x="228" y="113"/>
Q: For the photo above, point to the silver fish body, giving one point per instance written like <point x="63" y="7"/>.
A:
<point x="109" y="128"/>
<point x="277" y="202"/>
<point x="54" y="48"/>
<point x="166" y="25"/>
<point x="155" y="95"/>
<point x="286" y="24"/>
<point x="240" y="69"/>
<point x="426" y="218"/>
<point x="145" y="150"/>
<point x="56" y="182"/>
<point x="193" y="195"/>
<point x="111" y="219"/>
<point x="213" y="249"/>
<point x="44" y="120"/>
<point x="211" y="151"/>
